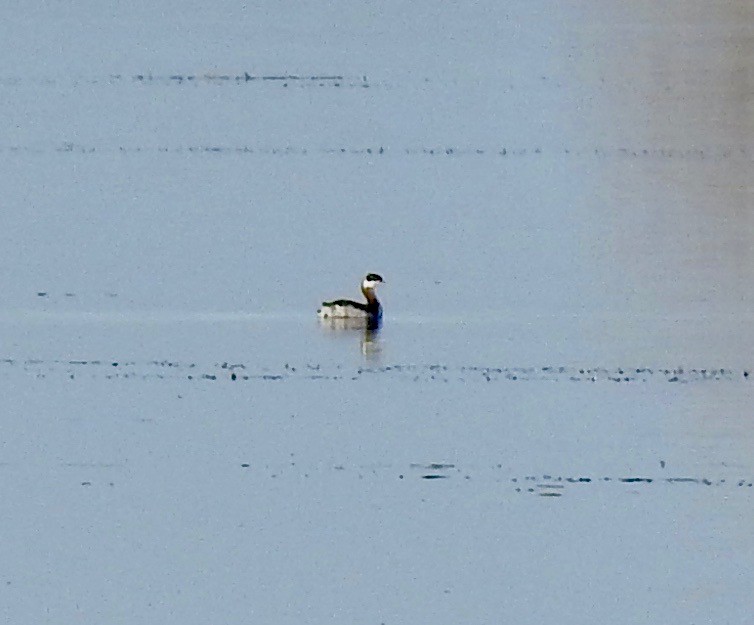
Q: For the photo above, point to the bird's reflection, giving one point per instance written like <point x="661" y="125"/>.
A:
<point x="367" y="329"/>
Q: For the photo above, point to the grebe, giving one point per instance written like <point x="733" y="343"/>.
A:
<point x="348" y="309"/>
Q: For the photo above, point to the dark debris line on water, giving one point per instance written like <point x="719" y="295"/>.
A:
<point x="633" y="152"/>
<point x="239" y="372"/>
<point x="325" y="79"/>
<point x="546" y="485"/>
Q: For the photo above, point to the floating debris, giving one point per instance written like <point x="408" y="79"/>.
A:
<point x="416" y="373"/>
<point x="544" y="485"/>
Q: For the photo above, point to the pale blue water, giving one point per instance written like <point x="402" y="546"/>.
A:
<point x="553" y="424"/>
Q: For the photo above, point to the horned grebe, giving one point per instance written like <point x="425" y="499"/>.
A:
<point x="348" y="309"/>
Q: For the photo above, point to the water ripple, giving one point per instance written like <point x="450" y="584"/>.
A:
<point x="417" y="373"/>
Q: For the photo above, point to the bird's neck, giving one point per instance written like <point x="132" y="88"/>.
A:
<point x="369" y="294"/>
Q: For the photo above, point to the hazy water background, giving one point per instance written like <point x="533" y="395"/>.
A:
<point x="542" y="186"/>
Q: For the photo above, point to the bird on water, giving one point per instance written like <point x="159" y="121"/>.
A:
<point x="348" y="309"/>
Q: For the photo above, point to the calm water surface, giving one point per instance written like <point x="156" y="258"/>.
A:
<point x="554" y="423"/>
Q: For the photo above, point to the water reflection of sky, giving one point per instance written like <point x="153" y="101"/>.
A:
<point x="545" y="189"/>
